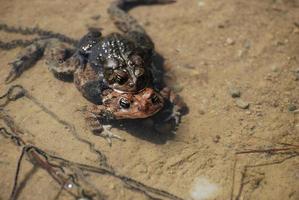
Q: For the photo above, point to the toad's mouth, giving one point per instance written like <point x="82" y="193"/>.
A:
<point x="137" y="114"/>
<point x="130" y="92"/>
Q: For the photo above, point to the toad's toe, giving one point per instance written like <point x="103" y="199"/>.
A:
<point x="107" y="134"/>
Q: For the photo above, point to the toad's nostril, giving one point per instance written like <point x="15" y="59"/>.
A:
<point x="155" y="99"/>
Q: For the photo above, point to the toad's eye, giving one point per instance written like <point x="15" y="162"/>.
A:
<point x="121" y="78"/>
<point x="124" y="103"/>
<point x="155" y="99"/>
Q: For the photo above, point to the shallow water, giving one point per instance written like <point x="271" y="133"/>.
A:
<point x="209" y="47"/>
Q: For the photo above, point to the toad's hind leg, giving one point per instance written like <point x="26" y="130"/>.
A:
<point x="61" y="60"/>
<point x="123" y="20"/>
<point x="26" y="59"/>
<point x="127" y="24"/>
<point x="56" y="57"/>
<point x="134" y="31"/>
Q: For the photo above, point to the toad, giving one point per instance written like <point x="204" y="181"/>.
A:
<point x="111" y="71"/>
<point x="149" y="108"/>
<point x="120" y="106"/>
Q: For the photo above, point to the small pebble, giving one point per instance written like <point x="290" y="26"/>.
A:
<point x="178" y="50"/>
<point x="242" y="104"/>
<point x="241" y="53"/>
<point x="96" y="17"/>
<point x="147" y="23"/>
<point x="252" y="127"/>
<point x="216" y="138"/>
<point x="188" y="66"/>
<point x="230" y="41"/>
<point x="177" y="88"/>
<point x="292" y="107"/>
<point x="234" y="92"/>
<point x="247" y="44"/>
<point x="112" y="186"/>
<point x="200" y="3"/>
<point x="221" y="26"/>
<point x="201" y="112"/>
<point x="203" y="63"/>
<point x="274" y="68"/>
<point x="248" y="112"/>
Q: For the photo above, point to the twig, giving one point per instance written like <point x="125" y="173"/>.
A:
<point x="15" y="138"/>
<point x="42" y="159"/>
<point x="266" y="150"/>
<point x="17" y="91"/>
<point x="13" y="192"/>
<point x="246" y="167"/>
<point x="242" y="183"/>
<point x="233" y="179"/>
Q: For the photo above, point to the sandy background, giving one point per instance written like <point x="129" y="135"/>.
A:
<point x="210" y="46"/>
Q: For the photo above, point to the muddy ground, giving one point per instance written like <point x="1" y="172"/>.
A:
<point x="210" y="47"/>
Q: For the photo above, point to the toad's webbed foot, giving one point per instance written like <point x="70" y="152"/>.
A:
<point x="108" y="135"/>
<point x="177" y="109"/>
<point x="93" y="116"/>
<point x="26" y="59"/>
<point x="174" y="114"/>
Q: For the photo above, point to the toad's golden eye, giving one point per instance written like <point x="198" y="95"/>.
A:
<point x="124" y="103"/>
<point x="120" y="77"/>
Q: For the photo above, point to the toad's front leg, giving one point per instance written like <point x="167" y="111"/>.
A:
<point x="95" y="115"/>
<point x="177" y="106"/>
